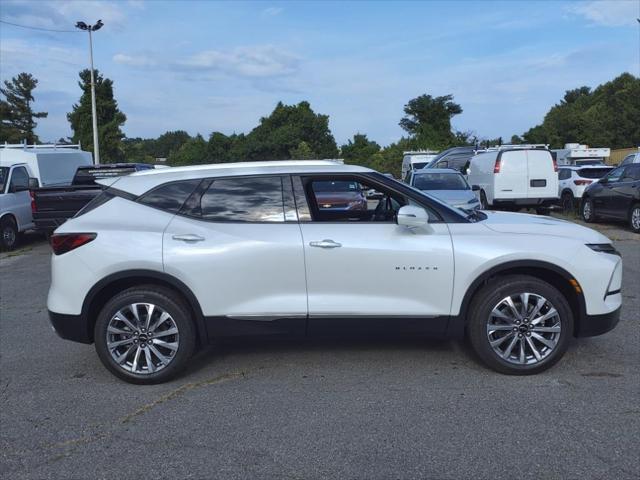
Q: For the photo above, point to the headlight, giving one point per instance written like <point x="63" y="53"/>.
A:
<point x="604" y="248"/>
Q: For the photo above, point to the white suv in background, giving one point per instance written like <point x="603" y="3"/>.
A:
<point x="165" y="261"/>
<point x="572" y="181"/>
<point x="515" y="176"/>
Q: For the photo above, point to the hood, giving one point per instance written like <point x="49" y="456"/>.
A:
<point x="453" y="196"/>
<point x="507" y="222"/>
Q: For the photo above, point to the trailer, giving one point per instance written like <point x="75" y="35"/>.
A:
<point x="577" y="155"/>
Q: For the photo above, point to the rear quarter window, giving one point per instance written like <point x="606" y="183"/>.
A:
<point x="171" y="196"/>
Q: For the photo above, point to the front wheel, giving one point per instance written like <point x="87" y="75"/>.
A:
<point x="145" y="335"/>
<point x="519" y="325"/>
<point x="8" y="234"/>
<point x="587" y="211"/>
<point x="634" y="218"/>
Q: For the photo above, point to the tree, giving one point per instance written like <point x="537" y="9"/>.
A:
<point x="193" y="152"/>
<point x="302" y="152"/>
<point x="428" y="120"/>
<point x="281" y="133"/>
<point x="608" y="116"/>
<point x="17" y="117"/>
<point x="169" y="142"/>
<point x="110" y="118"/>
<point x="360" y="150"/>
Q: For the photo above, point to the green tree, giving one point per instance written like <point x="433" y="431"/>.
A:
<point x="302" y="152"/>
<point x="17" y="118"/>
<point x="428" y="121"/>
<point x="360" y="150"/>
<point x="169" y="142"/>
<point x="110" y="118"/>
<point x="608" y="116"/>
<point x="281" y="133"/>
<point x="193" y="152"/>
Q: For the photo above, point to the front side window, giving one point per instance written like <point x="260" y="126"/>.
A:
<point x="615" y="175"/>
<point x="4" y="173"/>
<point x="440" y="181"/>
<point x="247" y="199"/>
<point x="170" y="196"/>
<point x="19" y="179"/>
<point x="632" y="173"/>
<point x="627" y="160"/>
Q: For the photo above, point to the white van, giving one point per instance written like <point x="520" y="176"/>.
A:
<point x="415" y="161"/>
<point x="15" y="202"/>
<point x="515" y="176"/>
<point x="49" y="164"/>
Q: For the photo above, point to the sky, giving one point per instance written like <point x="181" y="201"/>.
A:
<point x="204" y="66"/>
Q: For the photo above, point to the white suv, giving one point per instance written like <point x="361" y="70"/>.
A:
<point x="573" y="180"/>
<point x="165" y="261"/>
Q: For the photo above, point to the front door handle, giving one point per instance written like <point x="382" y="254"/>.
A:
<point x="325" y="244"/>
<point x="188" y="237"/>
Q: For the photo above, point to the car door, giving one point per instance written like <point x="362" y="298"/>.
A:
<point x="542" y="180"/>
<point x="18" y="199"/>
<point x="603" y="195"/>
<point x="624" y="191"/>
<point x="511" y="181"/>
<point x="237" y="245"/>
<point x="361" y="265"/>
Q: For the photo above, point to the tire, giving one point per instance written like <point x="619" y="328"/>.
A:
<point x="140" y="350"/>
<point x="568" y="203"/>
<point x="634" y="218"/>
<point x="492" y="298"/>
<point x="587" y="211"/>
<point x="8" y="233"/>
<point x="543" y="211"/>
<point x="484" y="205"/>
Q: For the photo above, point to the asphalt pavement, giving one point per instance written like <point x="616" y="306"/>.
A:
<point x="313" y="409"/>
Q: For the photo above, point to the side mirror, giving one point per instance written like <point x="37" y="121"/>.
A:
<point x="412" y="216"/>
<point x="475" y="188"/>
<point x="33" y="183"/>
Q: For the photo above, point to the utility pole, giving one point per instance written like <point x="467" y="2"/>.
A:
<point x="94" y="117"/>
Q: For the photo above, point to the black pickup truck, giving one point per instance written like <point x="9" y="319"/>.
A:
<point x="54" y="205"/>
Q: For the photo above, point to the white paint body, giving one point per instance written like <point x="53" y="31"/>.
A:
<point x="16" y="205"/>
<point x="263" y="269"/>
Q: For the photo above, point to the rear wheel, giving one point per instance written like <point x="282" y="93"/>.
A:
<point x="587" y="211"/>
<point x="543" y="211"/>
<point x="145" y="335"/>
<point x="634" y="218"/>
<point x="8" y="233"/>
<point x="519" y="325"/>
<point x="568" y="203"/>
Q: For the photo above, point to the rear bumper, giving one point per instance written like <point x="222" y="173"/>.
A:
<point x="592" y="325"/>
<point x="71" y="327"/>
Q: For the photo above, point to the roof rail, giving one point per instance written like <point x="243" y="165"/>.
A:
<point x="523" y="146"/>
<point x="25" y="146"/>
<point x="420" y="152"/>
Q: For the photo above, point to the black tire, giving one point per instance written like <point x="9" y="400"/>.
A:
<point x="634" y="218"/>
<point x="8" y="233"/>
<point x="589" y="215"/>
<point x="543" y="211"/>
<point x="484" y="205"/>
<point x="489" y="296"/>
<point x="568" y="203"/>
<point x="168" y="301"/>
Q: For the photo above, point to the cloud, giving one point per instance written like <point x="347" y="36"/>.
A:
<point x="134" y="60"/>
<point x="272" y="11"/>
<point x="608" y="13"/>
<point x="254" y="62"/>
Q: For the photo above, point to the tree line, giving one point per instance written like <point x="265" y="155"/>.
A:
<point x="608" y="115"/>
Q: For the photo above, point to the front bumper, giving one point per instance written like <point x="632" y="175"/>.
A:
<point x="592" y="325"/>
<point x="71" y="327"/>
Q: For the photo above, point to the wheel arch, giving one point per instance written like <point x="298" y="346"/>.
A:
<point x="569" y="191"/>
<point x="115" y="283"/>
<point x="548" y="272"/>
<point x="10" y="215"/>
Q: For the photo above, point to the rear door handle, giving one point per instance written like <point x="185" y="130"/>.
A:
<point x="325" y="244"/>
<point x="188" y="237"/>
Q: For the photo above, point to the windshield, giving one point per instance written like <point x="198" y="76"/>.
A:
<point x="440" y="181"/>
<point x="4" y="172"/>
<point x="335" y="186"/>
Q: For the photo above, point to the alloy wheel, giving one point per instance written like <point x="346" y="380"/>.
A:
<point x="142" y="338"/>
<point x="8" y="236"/>
<point x="635" y="218"/>
<point x="524" y="328"/>
<point x="586" y="210"/>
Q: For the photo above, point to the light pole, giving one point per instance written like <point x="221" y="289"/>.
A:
<point x="94" y="117"/>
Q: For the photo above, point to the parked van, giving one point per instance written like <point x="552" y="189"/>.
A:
<point x="15" y="202"/>
<point x="49" y="164"/>
<point x="515" y="176"/>
<point x="415" y="161"/>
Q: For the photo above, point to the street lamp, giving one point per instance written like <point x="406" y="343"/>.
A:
<point x="94" y="117"/>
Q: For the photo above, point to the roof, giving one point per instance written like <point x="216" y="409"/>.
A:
<point x="140" y="182"/>
<point x="10" y="163"/>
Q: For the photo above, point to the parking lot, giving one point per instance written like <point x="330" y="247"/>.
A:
<point x="314" y="409"/>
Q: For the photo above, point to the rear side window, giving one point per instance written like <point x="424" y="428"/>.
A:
<point x="593" y="172"/>
<point x="246" y="199"/>
<point x="564" y="174"/>
<point x="170" y="196"/>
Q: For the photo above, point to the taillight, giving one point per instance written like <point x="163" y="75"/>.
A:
<point x="583" y="182"/>
<point x="65" y="242"/>
<point x="496" y="167"/>
<point x="555" y="165"/>
<point x="33" y="201"/>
